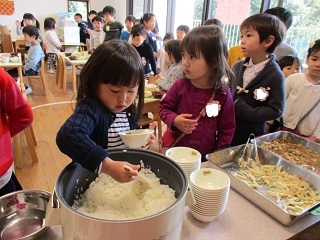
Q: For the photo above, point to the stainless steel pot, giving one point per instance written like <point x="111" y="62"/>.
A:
<point x="74" y="180"/>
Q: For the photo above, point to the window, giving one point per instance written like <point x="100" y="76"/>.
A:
<point x="160" y="10"/>
<point x="138" y="8"/>
<point x="79" y="6"/>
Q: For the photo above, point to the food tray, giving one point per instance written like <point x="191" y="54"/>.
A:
<point x="227" y="161"/>
<point x="293" y="138"/>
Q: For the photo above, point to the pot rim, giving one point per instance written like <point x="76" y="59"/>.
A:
<point x="179" y="199"/>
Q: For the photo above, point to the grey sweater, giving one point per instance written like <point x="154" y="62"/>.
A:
<point x="251" y="114"/>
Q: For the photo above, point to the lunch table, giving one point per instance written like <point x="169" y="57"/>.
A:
<point x="74" y="64"/>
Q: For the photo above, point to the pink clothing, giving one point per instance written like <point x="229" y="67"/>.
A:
<point x="212" y="133"/>
<point x="15" y="116"/>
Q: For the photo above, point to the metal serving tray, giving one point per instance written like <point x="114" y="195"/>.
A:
<point x="293" y="138"/>
<point x="227" y="161"/>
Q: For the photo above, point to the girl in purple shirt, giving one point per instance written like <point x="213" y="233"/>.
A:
<point x="204" y="54"/>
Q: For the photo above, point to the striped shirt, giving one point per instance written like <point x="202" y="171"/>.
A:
<point x="120" y="124"/>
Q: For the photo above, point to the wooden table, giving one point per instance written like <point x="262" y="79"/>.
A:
<point x="72" y="46"/>
<point x="73" y="63"/>
<point x="28" y="131"/>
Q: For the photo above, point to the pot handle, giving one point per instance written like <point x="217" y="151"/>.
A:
<point x="190" y="200"/>
<point x="53" y="211"/>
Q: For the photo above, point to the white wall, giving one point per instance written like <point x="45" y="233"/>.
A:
<point x="48" y="8"/>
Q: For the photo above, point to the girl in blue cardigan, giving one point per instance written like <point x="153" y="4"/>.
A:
<point x="109" y="84"/>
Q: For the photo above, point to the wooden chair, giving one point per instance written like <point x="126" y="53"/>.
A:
<point x="61" y="74"/>
<point x="7" y="46"/>
<point x="151" y="107"/>
<point x="20" y="46"/>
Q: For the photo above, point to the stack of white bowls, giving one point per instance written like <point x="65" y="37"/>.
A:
<point x="210" y="189"/>
<point x="188" y="159"/>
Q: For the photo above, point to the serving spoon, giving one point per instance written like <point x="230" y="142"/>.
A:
<point x="139" y="177"/>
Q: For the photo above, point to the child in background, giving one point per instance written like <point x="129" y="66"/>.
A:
<point x="303" y="98"/>
<point x="129" y="22"/>
<point x="109" y="84"/>
<point x="149" y="22"/>
<point x="289" y="64"/>
<point x="258" y="85"/>
<point x="15" y="116"/>
<point x="28" y="19"/>
<point x="90" y="27"/>
<point x="182" y="30"/>
<point x="162" y="64"/>
<point x="173" y="56"/>
<point x="52" y="44"/>
<point x="112" y="28"/>
<point x="213" y="21"/>
<point x="34" y="56"/>
<point x="138" y="36"/>
<point x="83" y="28"/>
<point x="204" y="53"/>
<point x="95" y="36"/>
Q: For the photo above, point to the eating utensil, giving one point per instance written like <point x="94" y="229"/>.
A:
<point x="248" y="162"/>
<point x="139" y="177"/>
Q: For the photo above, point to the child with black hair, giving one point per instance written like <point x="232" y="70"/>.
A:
<point x="112" y="28"/>
<point x="289" y="64"/>
<point x="182" y="31"/>
<point x="83" y="28"/>
<point x="149" y="22"/>
<point x="258" y="83"/>
<point x="138" y="36"/>
<point x="162" y="64"/>
<point x="34" y="56"/>
<point x="213" y="21"/>
<point x="106" y="105"/>
<point x="96" y="37"/>
<point x="129" y="22"/>
<point x="173" y="56"/>
<point x="198" y="108"/>
<point x="303" y="98"/>
<point x="52" y="44"/>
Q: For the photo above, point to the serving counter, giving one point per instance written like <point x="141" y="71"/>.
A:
<point x="241" y="220"/>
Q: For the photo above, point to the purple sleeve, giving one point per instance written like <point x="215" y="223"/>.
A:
<point x="169" y="105"/>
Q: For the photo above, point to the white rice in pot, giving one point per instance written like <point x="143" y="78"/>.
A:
<point x="110" y="200"/>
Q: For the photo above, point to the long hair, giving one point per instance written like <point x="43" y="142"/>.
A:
<point x="211" y="43"/>
<point x="114" y="62"/>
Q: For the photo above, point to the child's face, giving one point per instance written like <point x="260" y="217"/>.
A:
<point x="97" y="25"/>
<point x="195" y="67"/>
<point x="116" y="98"/>
<point x="28" y="39"/>
<point x="77" y="19"/>
<point x="108" y="17"/>
<point x="250" y="43"/>
<point x="314" y="65"/>
<point x="180" y="34"/>
<point x="91" y="16"/>
<point x="129" y="25"/>
<point x="138" y="40"/>
<point x="150" y="24"/>
<point x="294" y="68"/>
<point x="27" y="22"/>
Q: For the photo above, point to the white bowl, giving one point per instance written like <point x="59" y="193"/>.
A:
<point x="136" y="138"/>
<point x="203" y="218"/>
<point x="184" y="155"/>
<point x="209" y="179"/>
<point x="14" y="59"/>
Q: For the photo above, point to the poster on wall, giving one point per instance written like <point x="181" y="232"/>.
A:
<point x="6" y="7"/>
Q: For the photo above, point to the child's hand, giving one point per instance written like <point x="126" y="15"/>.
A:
<point x="18" y="24"/>
<point x="184" y="123"/>
<point x="152" y="136"/>
<point x="118" y="171"/>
